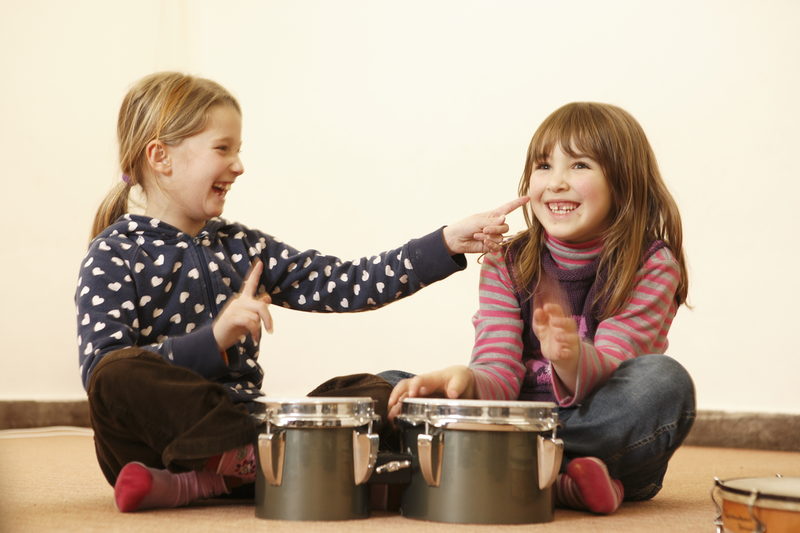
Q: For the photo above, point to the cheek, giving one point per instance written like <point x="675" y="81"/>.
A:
<point x="535" y="188"/>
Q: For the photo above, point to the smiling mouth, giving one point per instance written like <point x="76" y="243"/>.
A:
<point x="222" y="187"/>
<point x="562" y="208"/>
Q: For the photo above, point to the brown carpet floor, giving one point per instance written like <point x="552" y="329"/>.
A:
<point x="49" y="481"/>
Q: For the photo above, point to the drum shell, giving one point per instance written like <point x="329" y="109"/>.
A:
<point x="737" y="505"/>
<point x="487" y="477"/>
<point x="318" y="482"/>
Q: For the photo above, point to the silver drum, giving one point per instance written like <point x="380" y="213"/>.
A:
<point x="480" y="461"/>
<point x="315" y="456"/>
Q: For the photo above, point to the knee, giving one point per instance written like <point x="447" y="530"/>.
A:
<point x="665" y="380"/>
<point x="116" y="369"/>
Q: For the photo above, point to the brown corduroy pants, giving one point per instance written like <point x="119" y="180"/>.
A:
<point x="145" y="409"/>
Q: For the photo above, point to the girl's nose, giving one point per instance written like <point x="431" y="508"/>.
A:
<point x="237" y="167"/>
<point x="557" y="182"/>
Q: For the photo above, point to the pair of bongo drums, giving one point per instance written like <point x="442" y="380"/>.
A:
<point x="469" y="461"/>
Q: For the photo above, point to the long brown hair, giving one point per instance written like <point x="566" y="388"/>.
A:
<point x="165" y="106"/>
<point x="642" y="210"/>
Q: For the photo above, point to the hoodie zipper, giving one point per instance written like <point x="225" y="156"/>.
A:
<point x="198" y="249"/>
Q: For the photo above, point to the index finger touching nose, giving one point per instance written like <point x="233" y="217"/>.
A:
<point x="508" y="207"/>
<point x="252" y="278"/>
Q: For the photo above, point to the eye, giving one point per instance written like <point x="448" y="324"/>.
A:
<point x="543" y="166"/>
<point x="581" y="164"/>
<point x="222" y="148"/>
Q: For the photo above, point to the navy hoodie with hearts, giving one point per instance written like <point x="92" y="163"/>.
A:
<point x="145" y="283"/>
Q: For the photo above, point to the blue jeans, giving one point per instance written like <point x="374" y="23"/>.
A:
<point x="634" y="422"/>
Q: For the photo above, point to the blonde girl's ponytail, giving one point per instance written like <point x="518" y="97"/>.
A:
<point x="114" y="205"/>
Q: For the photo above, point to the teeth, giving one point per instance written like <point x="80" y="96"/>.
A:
<point x="561" y="209"/>
<point x="223" y="186"/>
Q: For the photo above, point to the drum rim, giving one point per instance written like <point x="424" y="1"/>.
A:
<point x="472" y="414"/>
<point x="314" y="399"/>
<point x="478" y="403"/>
<point x="762" y="496"/>
<point x="304" y="412"/>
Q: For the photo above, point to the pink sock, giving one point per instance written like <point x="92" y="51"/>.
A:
<point x="139" y="487"/>
<point x="587" y="485"/>
<point x="239" y="462"/>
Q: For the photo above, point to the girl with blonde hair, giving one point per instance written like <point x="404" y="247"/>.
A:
<point x="170" y="303"/>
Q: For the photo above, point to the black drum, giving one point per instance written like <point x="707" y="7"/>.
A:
<point x="315" y="456"/>
<point x="480" y="462"/>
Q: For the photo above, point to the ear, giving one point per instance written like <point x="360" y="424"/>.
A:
<point x="158" y="157"/>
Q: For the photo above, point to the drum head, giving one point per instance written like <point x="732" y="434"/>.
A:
<point x="443" y="412"/>
<point x="319" y="411"/>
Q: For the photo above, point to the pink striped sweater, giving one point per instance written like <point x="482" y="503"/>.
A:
<point x="639" y="328"/>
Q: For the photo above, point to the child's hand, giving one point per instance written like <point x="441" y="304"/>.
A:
<point x="482" y="232"/>
<point x="452" y="382"/>
<point x="557" y="333"/>
<point x="559" y="340"/>
<point x="244" y="313"/>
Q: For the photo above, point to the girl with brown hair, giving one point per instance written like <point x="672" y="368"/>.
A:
<point x="576" y="309"/>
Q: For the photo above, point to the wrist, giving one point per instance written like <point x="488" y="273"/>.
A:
<point x="450" y="243"/>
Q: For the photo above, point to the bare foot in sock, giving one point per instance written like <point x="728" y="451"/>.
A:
<point x="139" y="487"/>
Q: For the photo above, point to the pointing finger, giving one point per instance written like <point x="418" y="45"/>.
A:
<point x="508" y="207"/>
<point x="251" y="279"/>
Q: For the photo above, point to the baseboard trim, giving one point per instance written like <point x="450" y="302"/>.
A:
<point x="32" y="414"/>
<point x="760" y="431"/>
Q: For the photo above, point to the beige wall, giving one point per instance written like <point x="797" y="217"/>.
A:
<point x="368" y="123"/>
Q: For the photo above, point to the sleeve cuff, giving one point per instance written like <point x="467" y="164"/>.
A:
<point x="432" y="262"/>
<point x="197" y="351"/>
